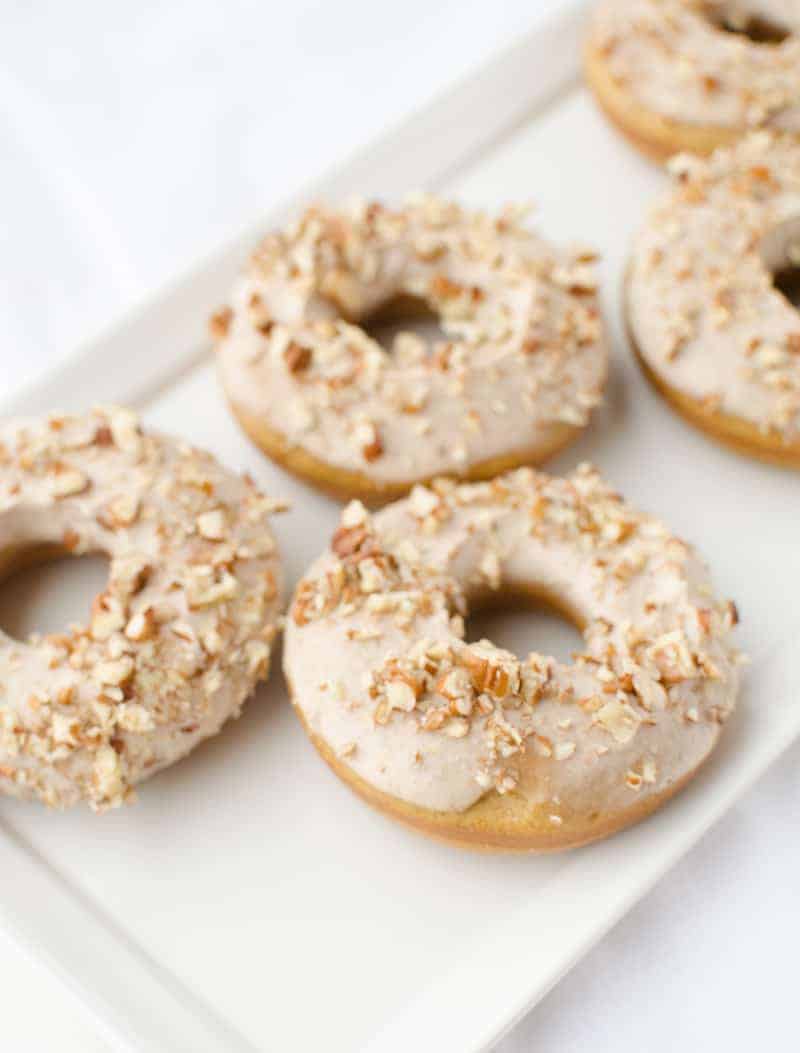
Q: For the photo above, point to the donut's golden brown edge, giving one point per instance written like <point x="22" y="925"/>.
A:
<point x="346" y="485"/>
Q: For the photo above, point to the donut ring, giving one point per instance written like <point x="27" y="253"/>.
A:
<point x="672" y="76"/>
<point x="524" y="362"/>
<point x="711" y="330"/>
<point x="467" y="743"/>
<point x="179" y="637"/>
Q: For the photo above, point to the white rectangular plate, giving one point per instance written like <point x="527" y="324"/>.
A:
<point x="249" y="901"/>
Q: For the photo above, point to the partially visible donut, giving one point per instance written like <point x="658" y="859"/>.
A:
<point x="178" y="638"/>
<point x="466" y="742"/>
<point x="712" y="330"/>
<point x="694" y="75"/>
<point x="523" y="362"/>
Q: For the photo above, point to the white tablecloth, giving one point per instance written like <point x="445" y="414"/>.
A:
<point x="135" y="136"/>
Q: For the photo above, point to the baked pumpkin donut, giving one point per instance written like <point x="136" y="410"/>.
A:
<point x="178" y="638"/>
<point x="468" y="743"/>
<point x="706" y="314"/>
<point x="694" y="75"/>
<point x="523" y="362"/>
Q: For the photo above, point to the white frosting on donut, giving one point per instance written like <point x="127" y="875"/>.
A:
<point x="179" y="637"/>
<point x="702" y="305"/>
<point x="524" y="355"/>
<point x="676" y="60"/>
<point x="378" y="666"/>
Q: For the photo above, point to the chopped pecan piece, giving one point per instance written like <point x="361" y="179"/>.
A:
<point x="297" y="357"/>
<point x="220" y="322"/>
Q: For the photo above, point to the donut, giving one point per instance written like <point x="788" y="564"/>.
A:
<point x="464" y="741"/>
<point x="179" y="636"/>
<point x="523" y="362"/>
<point x="694" y="75"/>
<point x="707" y="318"/>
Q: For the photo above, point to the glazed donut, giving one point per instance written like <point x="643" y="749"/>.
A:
<point x="178" y="638"/>
<point x="467" y="743"/>
<point x="711" y="329"/>
<point x="523" y="363"/>
<point x="694" y="75"/>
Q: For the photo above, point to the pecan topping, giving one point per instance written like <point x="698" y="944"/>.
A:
<point x="373" y="450"/>
<point x="220" y="323"/>
<point x="348" y="540"/>
<point x="297" y="357"/>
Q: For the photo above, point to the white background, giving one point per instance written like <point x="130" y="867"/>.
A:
<point x="134" y="136"/>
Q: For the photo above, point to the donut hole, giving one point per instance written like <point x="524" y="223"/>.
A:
<point x="780" y="251"/>
<point x="43" y="590"/>
<point x="787" y="281"/>
<point x="404" y="314"/>
<point x="757" y="27"/>
<point x="521" y="622"/>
